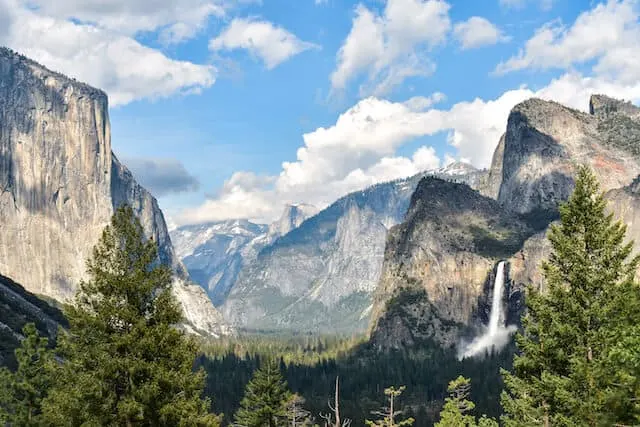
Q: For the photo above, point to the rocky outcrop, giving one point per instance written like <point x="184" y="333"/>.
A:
<point x="292" y="217"/>
<point x="624" y="204"/>
<point x="60" y="183"/>
<point x="442" y="256"/>
<point x="490" y="183"/>
<point x="17" y="308"/>
<point x="321" y="275"/>
<point x="545" y="141"/>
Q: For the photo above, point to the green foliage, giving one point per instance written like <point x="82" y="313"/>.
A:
<point x="22" y="392"/>
<point x="389" y="413"/>
<point x="580" y="350"/>
<point x="266" y="399"/>
<point x="457" y="407"/>
<point x="125" y="362"/>
<point x="311" y="365"/>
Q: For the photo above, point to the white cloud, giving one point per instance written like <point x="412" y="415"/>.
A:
<point x="359" y="150"/>
<point x="176" y="20"/>
<point x="517" y="4"/>
<point x="606" y="34"/>
<point x="118" y="64"/>
<point x="393" y="46"/>
<point x="477" y="32"/>
<point x="263" y="39"/>
<point x="320" y="2"/>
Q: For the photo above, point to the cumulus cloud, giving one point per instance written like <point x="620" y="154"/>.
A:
<point x="477" y="32"/>
<point x="118" y="64"/>
<point x="262" y="39"/>
<point x="606" y="34"/>
<point x="162" y="176"/>
<point x="393" y="46"/>
<point x="360" y="149"/>
<point x="175" y="20"/>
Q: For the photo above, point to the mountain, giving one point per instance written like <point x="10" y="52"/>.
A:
<point x="214" y="253"/>
<point x="292" y="217"/>
<point x="60" y="183"/>
<point x="17" y="308"/>
<point x="320" y="276"/>
<point x="440" y="263"/>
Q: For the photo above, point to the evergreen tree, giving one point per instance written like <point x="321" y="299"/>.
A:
<point x="389" y="413"/>
<point x="579" y="359"/>
<point x="457" y="407"/>
<point x="125" y="362"/>
<point x="22" y="392"/>
<point x="265" y="400"/>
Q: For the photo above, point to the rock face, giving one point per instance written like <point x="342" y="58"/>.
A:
<point x="60" y="183"/>
<point x="624" y="203"/>
<point x="545" y="141"/>
<point x="291" y="218"/>
<point x="321" y="275"/>
<point x="438" y="262"/>
<point x="17" y="308"/>
<point x="437" y="279"/>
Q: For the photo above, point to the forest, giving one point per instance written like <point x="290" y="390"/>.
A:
<point x="123" y="362"/>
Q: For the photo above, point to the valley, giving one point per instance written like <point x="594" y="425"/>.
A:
<point x="477" y="288"/>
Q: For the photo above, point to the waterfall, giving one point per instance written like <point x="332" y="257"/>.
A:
<point x="496" y="304"/>
<point x="496" y="334"/>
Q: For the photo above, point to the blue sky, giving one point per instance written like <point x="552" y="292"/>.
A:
<point x="211" y="97"/>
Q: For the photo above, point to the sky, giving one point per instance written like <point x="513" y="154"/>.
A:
<point x="233" y="108"/>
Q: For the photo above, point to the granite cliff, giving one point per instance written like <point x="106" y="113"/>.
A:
<point x="60" y="183"/>
<point x="439" y="264"/>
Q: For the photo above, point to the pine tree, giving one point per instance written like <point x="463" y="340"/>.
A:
<point x="389" y="413"/>
<point x="575" y="367"/>
<point x="22" y="392"/>
<point x="265" y="401"/>
<point x="124" y="361"/>
<point x="457" y="407"/>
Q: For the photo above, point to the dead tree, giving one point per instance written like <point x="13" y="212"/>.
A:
<point x="332" y="419"/>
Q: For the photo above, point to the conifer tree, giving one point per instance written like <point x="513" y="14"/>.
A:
<point x="266" y="397"/>
<point x="22" y="392"/>
<point x="124" y="361"/>
<point x="389" y="413"/>
<point x="457" y="407"/>
<point x="579" y="360"/>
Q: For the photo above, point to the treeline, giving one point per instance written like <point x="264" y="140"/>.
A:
<point x="364" y="374"/>
<point x="123" y="362"/>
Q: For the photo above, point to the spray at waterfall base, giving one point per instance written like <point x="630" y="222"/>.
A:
<point x="496" y="334"/>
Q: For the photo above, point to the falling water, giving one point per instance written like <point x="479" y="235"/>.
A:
<point x="497" y="334"/>
<point x="496" y="304"/>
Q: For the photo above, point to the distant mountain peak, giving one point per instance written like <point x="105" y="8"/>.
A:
<point x="292" y="216"/>
<point x="457" y="168"/>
